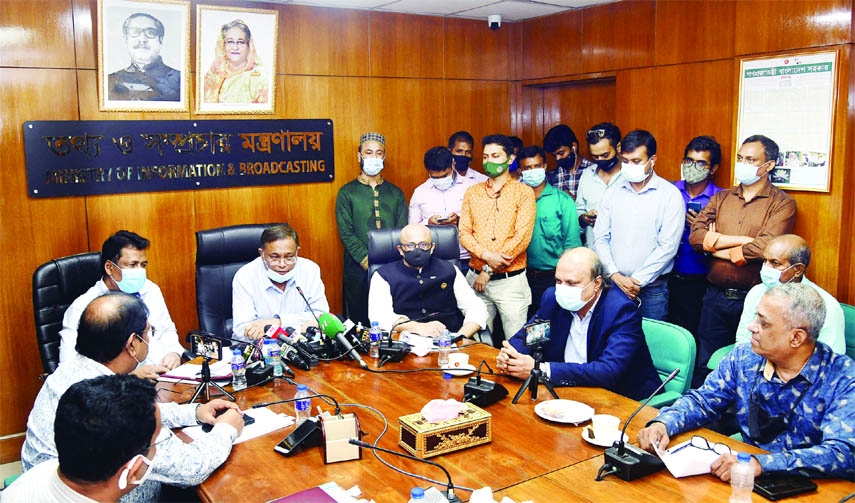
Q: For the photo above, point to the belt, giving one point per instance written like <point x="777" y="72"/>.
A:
<point x="688" y="277"/>
<point x="540" y="272"/>
<point x="732" y="293"/>
<point x="661" y="278"/>
<point x="506" y="275"/>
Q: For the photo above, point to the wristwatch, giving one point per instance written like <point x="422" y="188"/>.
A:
<point x="486" y="268"/>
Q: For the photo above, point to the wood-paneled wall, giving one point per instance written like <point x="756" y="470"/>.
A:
<point x="671" y="66"/>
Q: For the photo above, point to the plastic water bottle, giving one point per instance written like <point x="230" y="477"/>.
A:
<point x="417" y="495"/>
<point x="238" y="370"/>
<point x="272" y="356"/>
<point x="375" y="334"/>
<point x="302" y="408"/>
<point x="444" y="344"/>
<point x="741" y="479"/>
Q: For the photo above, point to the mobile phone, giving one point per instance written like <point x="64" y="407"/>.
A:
<point x="536" y="332"/>
<point x="775" y="487"/>
<point x="247" y="420"/>
<point x="694" y="206"/>
<point x="442" y="220"/>
<point x="307" y="434"/>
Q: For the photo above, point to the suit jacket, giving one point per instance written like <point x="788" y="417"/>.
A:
<point x="618" y="358"/>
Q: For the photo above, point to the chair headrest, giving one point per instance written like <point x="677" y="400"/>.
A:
<point x="226" y="245"/>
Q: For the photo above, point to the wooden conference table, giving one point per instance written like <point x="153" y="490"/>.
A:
<point x="529" y="458"/>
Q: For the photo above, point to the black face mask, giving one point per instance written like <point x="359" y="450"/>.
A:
<point x="417" y="258"/>
<point x="607" y="164"/>
<point x="461" y="162"/>
<point x="568" y="162"/>
<point x="763" y="427"/>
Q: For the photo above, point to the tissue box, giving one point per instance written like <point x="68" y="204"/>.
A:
<point x="473" y="426"/>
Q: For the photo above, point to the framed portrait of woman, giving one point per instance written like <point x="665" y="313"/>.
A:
<point x="235" y="60"/>
<point x="143" y="55"/>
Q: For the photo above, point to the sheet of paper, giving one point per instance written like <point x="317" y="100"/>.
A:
<point x="265" y="421"/>
<point x="221" y="370"/>
<point x="685" y="460"/>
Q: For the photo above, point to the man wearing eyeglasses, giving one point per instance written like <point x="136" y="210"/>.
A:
<point x="114" y="336"/>
<point x="604" y="146"/>
<point x="734" y="229"/>
<point x="793" y="396"/>
<point x="124" y="261"/>
<point x="402" y="293"/>
<point x="264" y="291"/>
<point x="688" y="283"/>
<point x="147" y="78"/>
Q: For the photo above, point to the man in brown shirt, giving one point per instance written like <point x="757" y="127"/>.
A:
<point x="496" y="223"/>
<point x="734" y="229"/>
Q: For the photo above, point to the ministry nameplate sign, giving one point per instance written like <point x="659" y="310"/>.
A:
<point x="80" y="158"/>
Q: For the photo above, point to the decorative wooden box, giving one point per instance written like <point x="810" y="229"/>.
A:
<point x="473" y="426"/>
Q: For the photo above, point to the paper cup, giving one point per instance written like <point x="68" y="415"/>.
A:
<point x="605" y="425"/>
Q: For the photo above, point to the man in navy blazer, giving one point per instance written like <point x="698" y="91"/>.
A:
<point x="595" y="333"/>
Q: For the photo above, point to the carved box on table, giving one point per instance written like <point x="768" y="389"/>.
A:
<point x="473" y="426"/>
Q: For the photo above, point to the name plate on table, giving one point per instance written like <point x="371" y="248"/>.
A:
<point x="473" y="426"/>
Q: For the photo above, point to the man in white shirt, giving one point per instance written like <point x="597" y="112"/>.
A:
<point x="114" y="336"/>
<point x="123" y="258"/>
<point x="419" y="285"/>
<point x="106" y="431"/>
<point x="278" y="288"/>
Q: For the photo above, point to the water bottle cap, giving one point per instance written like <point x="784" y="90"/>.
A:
<point x="375" y="324"/>
<point x="417" y="492"/>
<point x="302" y="387"/>
<point x="744" y="457"/>
<point x="236" y="352"/>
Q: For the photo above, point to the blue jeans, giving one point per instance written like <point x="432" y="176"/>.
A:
<point x="654" y="300"/>
<point x="720" y="315"/>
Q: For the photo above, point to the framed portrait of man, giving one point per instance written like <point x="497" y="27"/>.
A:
<point x="235" y="60"/>
<point x="143" y="55"/>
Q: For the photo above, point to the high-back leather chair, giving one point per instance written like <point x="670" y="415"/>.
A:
<point x="55" y="286"/>
<point x="382" y="246"/>
<point x="220" y="253"/>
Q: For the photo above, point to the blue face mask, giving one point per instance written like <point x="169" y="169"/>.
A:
<point x="534" y="177"/>
<point x="132" y="279"/>
<point x="372" y="166"/>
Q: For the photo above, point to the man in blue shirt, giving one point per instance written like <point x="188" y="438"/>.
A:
<point x="793" y="396"/>
<point x="687" y="283"/>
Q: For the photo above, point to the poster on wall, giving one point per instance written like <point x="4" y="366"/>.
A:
<point x="143" y="55"/>
<point x="791" y="99"/>
<point x="235" y="60"/>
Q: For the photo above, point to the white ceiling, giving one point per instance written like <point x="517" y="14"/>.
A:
<point x="510" y="10"/>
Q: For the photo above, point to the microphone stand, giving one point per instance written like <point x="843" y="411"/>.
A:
<point x="450" y="488"/>
<point x="536" y="376"/>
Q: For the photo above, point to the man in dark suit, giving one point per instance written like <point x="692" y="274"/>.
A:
<point x="595" y="333"/>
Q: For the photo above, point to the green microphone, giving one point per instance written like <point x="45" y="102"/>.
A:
<point x="333" y="328"/>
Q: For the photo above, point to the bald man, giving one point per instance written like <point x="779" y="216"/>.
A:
<point x="595" y="333"/>
<point x="785" y="260"/>
<point x="402" y="293"/>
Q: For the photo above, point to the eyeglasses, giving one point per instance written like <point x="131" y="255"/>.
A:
<point x="699" y="442"/>
<point x="160" y="442"/>
<point x="287" y="259"/>
<point x="424" y="245"/>
<point x="688" y="163"/>
<point x="595" y="135"/>
<point x="151" y="331"/>
<point x="236" y="43"/>
<point x="134" y="32"/>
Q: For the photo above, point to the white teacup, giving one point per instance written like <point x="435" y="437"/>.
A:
<point x="605" y="425"/>
<point x="457" y="360"/>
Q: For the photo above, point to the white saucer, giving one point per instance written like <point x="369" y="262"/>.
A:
<point x="463" y="370"/>
<point x="564" y="411"/>
<point x="603" y="440"/>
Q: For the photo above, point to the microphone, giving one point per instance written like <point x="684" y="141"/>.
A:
<point x="333" y="328"/>
<point x="300" y="291"/>
<point x="627" y="461"/>
<point x="272" y="332"/>
<point x="450" y="488"/>
<point x="316" y="395"/>
<point x="483" y="393"/>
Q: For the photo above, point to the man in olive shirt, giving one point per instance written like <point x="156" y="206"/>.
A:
<point x="734" y="229"/>
<point x="556" y="227"/>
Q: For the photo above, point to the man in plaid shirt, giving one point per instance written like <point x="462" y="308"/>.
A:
<point x="561" y="143"/>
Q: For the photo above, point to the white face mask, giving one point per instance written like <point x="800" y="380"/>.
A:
<point x="746" y="174"/>
<point x="443" y="183"/>
<point x="372" y="166"/>
<point x="772" y="277"/>
<point x="281" y="277"/>
<point x="570" y="297"/>
<point x="132" y="279"/>
<point x="123" y="478"/>
<point x="634" y="173"/>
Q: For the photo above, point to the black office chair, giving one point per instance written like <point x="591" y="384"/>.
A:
<point x="382" y="246"/>
<point x="55" y="286"/>
<point x="219" y="254"/>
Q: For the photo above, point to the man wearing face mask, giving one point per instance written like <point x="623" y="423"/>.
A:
<point x="264" y="291"/>
<point x="595" y="333"/>
<point x="496" y="223"/>
<point x="369" y="202"/>
<point x="638" y="227"/>
<point x="106" y="430"/>
<point x="604" y="145"/>
<point x="419" y="284"/>
<point x="555" y="227"/>
<point x="561" y="143"/>
<point x="785" y="260"/>
<point x="114" y="336"/>
<point x="688" y="282"/>
<point x="461" y="144"/>
<point x="439" y="199"/>
<point x="124" y="260"/>
<point x="734" y="229"/>
<point x="794" y="398"/>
